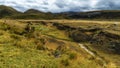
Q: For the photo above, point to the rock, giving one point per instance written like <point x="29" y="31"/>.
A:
<point x="79" y="36"/>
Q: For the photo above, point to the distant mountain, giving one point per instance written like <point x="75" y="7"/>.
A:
<point x="36" y="14"/>
<point x="103" y="14"/>
<point x="7" y="11"/>
<point x="33" y="11"/>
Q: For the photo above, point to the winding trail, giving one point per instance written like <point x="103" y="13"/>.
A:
<point x="93" y="54"/>
<point x="86" y="49"/>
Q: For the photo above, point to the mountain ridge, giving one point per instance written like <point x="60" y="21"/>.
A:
<point x="9" y="12"/>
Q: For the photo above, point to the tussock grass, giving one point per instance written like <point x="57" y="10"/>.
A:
<point x="19" y="51"/>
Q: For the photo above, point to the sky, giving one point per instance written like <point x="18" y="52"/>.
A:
<point x="56" y="6"/>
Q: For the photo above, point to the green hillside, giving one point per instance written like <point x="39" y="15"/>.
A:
<point x="11" y="13"/>
<point x="41" y="45"/>
<point x="6" y="11"/>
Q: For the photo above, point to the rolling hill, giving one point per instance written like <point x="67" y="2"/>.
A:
<point x="9" y="12"/>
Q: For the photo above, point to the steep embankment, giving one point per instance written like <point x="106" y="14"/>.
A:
<point x="103" y="38"/>
<point x="97" y="35"/>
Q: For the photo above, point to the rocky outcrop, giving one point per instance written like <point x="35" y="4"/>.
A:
<point x="63" y="27"/>
<point x="79" y="36"/>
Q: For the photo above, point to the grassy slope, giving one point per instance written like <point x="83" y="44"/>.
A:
<point x="114" y="58"/>
<point x="21" y="51"/>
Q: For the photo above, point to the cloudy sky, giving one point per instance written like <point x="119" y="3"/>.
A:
<point x="63" y="5"/>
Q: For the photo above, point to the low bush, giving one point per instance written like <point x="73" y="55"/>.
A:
<point x="56" y="53"/>
<point x="65" y="62"/>
<point x="72" y="56"/>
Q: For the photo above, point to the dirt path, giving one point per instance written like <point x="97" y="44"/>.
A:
<point x="93" y="54"/>
<point x="86" y="49"/>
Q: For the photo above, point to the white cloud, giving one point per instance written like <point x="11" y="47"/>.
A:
<point x="61" y="5"/>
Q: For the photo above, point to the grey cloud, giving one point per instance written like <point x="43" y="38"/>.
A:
<point x="78" y="5"/>
<point x="45" y="3"/>
<point x="60" y="3"/>
<point x="108" y="5"/>
<point x="63" y="5"/>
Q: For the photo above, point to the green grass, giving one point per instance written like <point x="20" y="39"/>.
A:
<point x="52" y="32"/>
<point x="13" y="57"/>
<point x="21" y="51"/>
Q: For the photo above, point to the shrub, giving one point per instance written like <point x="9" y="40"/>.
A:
<point x="4" y="26"/>
<point x="72" y="56"/>
<point x="25" y="43"/>
<point x="17" y="37"/>
<point x="40" y="42"/>
<point x="56" y="53"/>
<point x="41" y="47"/>
<point x="65" y="62"/>
<point x="1" y="32"/>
